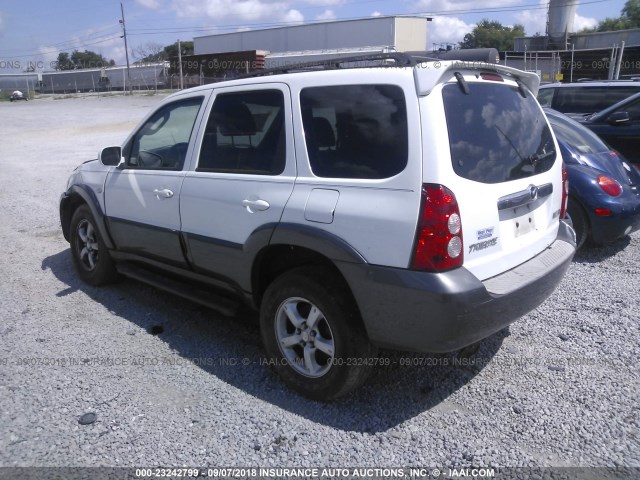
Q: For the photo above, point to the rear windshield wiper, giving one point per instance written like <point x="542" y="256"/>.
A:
<point x="536" y="157"/>
<point x="532" y="159"/>
<point x="462" y="83"/>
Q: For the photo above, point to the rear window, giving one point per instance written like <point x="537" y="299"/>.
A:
<point x="574" y="134"/>
<point x="496" y="135"/>
<point x="355" y="131"/>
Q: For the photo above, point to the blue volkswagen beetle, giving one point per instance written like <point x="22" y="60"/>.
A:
<point x="604" y="189"/>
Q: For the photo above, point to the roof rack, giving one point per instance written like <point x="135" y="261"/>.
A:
<point x="399" y="59"/>
<point x="481" y="55"/>
<point x="336" y="63"/>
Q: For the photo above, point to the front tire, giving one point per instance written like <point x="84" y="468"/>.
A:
<point x="91" y="258"/>
<point x="313" y="334"/>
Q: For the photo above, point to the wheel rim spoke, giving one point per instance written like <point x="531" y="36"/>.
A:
<point x="304" y="337"/>
<point x="288" y="342"/>
<point x="87" y="244"/>
<point x="314" y="316"/>
<point x="92" y="260"/>
<point x="293" y="315"/>
<point x="324" y="345"/>
<point x="310" y="363"/>
<point x="82" y="233"/>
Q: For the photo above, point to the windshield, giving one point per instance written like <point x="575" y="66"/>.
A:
<point x="496" y="134"/>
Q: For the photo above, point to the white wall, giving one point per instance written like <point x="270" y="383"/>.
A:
<point x="410" y="32"/>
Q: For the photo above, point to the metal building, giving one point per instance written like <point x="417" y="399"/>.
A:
<point x="25" y="82"/>
<point x="370" y="34"/>
<point x="142" y="77"/>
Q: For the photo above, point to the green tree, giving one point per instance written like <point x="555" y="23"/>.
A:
<point x="612" y="24"/>
<point x="88" y="59"/>
<point x="79" y="60"/>
<point x="629" y="18"/>
<point x="63" y="62"/>
<point x="631" y="12"/>
<point x="492" y="34"/>
<point x="172" y="50"/>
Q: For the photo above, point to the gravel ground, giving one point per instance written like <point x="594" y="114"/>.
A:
<point x="174" y="384"/>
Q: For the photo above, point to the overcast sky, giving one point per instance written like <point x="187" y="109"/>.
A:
<point x="36" y="31"/>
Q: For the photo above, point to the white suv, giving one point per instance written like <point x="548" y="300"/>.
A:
<point x="416" y="206"/>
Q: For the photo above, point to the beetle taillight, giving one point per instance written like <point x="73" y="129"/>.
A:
<point x="609" y="185"/>
<point x="438" y="245"/>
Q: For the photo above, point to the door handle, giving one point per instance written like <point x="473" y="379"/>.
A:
<point x="253" y="206"/>
<point x="162" y="193"/>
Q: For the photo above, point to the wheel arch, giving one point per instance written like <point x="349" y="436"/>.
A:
<point x="293" y="246"/>
<point x="78" y="195"/>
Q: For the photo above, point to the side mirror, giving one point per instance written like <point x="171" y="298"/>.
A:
<point x="618" y="118"/>
<point x="110" y="156"/>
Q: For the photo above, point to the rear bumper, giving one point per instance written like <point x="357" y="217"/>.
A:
<point x="624" y="219"/>
<point x="442" y="312"/>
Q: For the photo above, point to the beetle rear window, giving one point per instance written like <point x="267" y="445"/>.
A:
<point x="496" y="134"/>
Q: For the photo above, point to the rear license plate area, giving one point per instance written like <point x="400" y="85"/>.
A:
<point x="524" y="223"/>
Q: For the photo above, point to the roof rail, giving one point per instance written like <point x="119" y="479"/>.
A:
<point x="484" y="55"/>
<point x="335" y="63"/>
<point x="400" y="59"/>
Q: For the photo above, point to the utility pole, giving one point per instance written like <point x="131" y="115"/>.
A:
<point x="180" y="64"/>
<point x="126" y="49"/>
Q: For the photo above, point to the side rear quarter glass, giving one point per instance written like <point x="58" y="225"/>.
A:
<point x="355" y="131"/>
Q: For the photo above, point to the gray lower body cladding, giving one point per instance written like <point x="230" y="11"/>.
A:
<point x="441" y="312"/>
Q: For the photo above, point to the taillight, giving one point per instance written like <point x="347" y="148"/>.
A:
<point x="438" y="246"/>
<point x="609" y="185"/>
<point x="565" y="192"/>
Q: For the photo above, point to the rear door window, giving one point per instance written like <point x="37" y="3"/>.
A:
<point x="580" y="99"/>
<point x="355" y="131"/>
<point x="245" y="134"/>
<point x="617" y="94"/>
<point x="496" y="135"/>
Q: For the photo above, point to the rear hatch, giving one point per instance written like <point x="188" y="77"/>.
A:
<point x="505" y="169"/>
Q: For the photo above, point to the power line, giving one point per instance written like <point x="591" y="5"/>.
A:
<point x="83" y="42"/>
<point x="232" y="27"/>
<point x="66" y="45"/>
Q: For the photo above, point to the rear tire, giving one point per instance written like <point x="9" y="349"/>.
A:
<point x="91" y="258"/>
<point x="313" y="334"/>
<point x="580" y="222"/>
